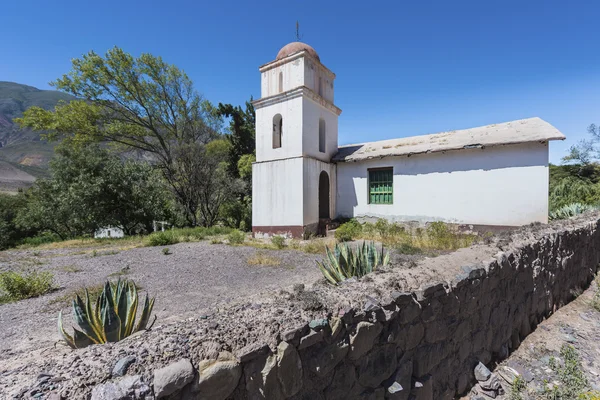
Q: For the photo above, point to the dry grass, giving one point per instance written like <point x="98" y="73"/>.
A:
<point x="69" y="268"/>
<point x="436" y="237"/>
<point x="263" y="258"/>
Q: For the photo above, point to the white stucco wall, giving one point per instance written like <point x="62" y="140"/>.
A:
<point x="291" y="139"/>
<point x="312" y="112"/>
<point x="277" y="195"/>
<point x="311" y="172"/>
<point x="505" y="185"/>
<point x="312" y="73"/>
<point x="293" y="77"/>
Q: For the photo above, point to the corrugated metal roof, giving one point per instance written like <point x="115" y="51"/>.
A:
<point x="513" y="132"/>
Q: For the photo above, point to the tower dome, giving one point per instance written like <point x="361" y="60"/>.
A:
<point x="295" y="47"/>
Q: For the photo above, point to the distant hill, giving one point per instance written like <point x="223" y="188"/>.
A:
<point x="23" y="155"/>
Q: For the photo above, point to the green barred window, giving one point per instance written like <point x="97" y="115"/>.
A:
<point x="381" y="182"/>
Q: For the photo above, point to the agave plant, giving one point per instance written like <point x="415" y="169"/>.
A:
<point x="570" y="210"/>
<point x="344" y="262"/>
<point x="111" y="319"/>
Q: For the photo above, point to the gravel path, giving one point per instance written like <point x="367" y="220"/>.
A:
<point x="196" y="278"/>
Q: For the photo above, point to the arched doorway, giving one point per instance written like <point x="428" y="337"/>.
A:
<point x="324" y="195"/>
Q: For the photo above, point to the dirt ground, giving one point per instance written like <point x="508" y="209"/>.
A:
<point x="196" y="278"/>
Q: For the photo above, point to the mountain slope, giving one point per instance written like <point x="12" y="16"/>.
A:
<point x="23" y="155"/>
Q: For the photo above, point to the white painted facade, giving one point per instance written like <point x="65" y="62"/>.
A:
<point x="492" y="175"/>
<point x="504" y="185"/>
<point x="296" y="137"/>
<point x="109" y="232"/>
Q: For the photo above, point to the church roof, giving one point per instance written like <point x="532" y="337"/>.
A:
<point x="513" y="132"/>
<point x="295" y="47"/>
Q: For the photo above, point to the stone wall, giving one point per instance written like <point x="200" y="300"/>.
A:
<point x="421" y="344"/>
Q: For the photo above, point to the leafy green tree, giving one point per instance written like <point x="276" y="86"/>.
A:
<point x="10" y="232"/>
<point x="141" y="104"/>
<point x="242" y="129"/>
<point x="237" y="211"/>
<point x="586" y="151"/>
<point x="91" y="188"/>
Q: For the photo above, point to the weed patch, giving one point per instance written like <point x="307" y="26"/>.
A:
<point x="16" y="286"/>
<point x="437" y="236"/>
<point x="236" y="237"/>
<point x="278" y="242"/>
<point x="573" y="382"/>
<point x="262" y="258"/>
<point x="71" y="268"/>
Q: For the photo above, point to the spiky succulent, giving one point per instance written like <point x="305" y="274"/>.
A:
<point x="344" y="262"/>
<point x="111" y="319"/>
<point x="570" y="210"/>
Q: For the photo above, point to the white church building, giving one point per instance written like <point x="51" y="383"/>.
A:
<point x="490" y="175"/>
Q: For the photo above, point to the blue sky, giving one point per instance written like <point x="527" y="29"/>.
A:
<point x="403" y="68"/>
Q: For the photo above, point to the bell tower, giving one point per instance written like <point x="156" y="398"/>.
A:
<point x="293" y="180"/>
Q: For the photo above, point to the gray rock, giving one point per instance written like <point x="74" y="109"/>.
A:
<point x="128" y="388"/>
<point x="121" y="367"/>
<point x="54" y="396"/>
<point x="173" y="377"/>
<point x="399" y="383"/>
<point x="482" y="373"/>
<point x="377" y="366"/>
<point x="323" y="359"/>
<point x="423" y="388"/>
<point x="252" y="351"/>
<point x="364" y="338"/>
<point x="318" y="324"/>
<point x="218" y="378"/>
<point x="289" y="369"/>
<point x="491" y="384"/>
<point x="312" y="338"/>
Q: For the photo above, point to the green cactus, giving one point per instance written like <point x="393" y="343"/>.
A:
<point x="344" y="262"/>
<point x="112" y="318"/>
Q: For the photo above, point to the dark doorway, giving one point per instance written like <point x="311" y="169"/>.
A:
<point x="323" y="195"/>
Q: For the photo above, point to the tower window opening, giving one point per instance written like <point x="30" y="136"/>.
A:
<point x="320" y="86"/>
<point x="322" y="136"/>
<point x="280" y="82"/>
<point x="277" y="130"/>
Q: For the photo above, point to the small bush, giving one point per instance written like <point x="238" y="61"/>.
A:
<point x="18" y="286"/>
<point x="166" y="251"/>
<point x="236" y="237"/>
<point x="573" y="381"/>
<point x="39" y="240"/>
<point x="516" y="389"/>
<point x="278" y="242"/>
<point x="348" y="231"/>
<point x="161" y="239"/>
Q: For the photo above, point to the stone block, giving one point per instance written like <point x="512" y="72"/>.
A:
<point x="377" y="366"/>
<point x="173" y="377"/>
<point x="363" y="339"/>
<point x="289" y="369"/>
<point x="217" y="379"/>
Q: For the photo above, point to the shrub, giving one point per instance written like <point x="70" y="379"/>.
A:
<point x="278" y="242"/>
<point x="19" y="286"/>
<point x="111" y="319"/>
<point x="573" y="381"/>
<point x="236" y="237"/>
<point x="162" y="239"/>
<point x="40" y="239"/>
<point x="570" y="211"/>
<point x="166" y="251"/>
<point x="344" y="262"/>
<point x="348" y="231"/>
